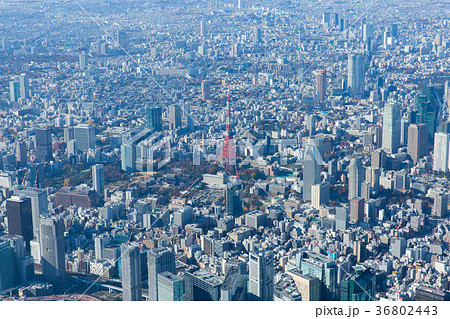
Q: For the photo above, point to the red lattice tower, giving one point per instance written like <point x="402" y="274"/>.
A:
<point x="228" y="153"/>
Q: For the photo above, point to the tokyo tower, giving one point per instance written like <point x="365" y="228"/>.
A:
<point x="228" y="153"/>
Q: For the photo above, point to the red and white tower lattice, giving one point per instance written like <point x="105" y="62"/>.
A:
<point x="228" y="153"/>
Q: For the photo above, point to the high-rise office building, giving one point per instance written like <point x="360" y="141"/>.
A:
<point x="332" y="167"/>
<point x="359" y="286"/>
<point x="53" y="250"/>
<point x="258" y="35"/>
<point x="356" y="75"/>
<point x="24" y="86"/>
<point x="355" y="178"/>
<point x="174" y="117"/>
<point x="393" y="30"/>
<point x="202" y="28"/>
<point x="417" y="141"/>
<point x="14" y="91"/>
<point x="201" y="285"/>
<point x="131" y="272"/>
<point x="398" y="247"/>
<point x="206" y="90"/>
<point x="322" y="267"/>
<point x="170" y="287"/>
<point x="84" y="136"/>
<point x="154" y="119"/>
<point x="320" y="195"/>
<point x="429" y="106"/>
<point x="23" y="262"/>
<point x="368" y="30"/>
<point x="378" y="136"/>
<point x="123" y="39"/>
<point x="342" y="218"/>
<point x="308" y="286"/>
<point x="357" y="210"/>
<point x="391" y="127"/>
<point x="311" y="124"/>
<point x="100" y="243"/>
<point x="83" y="61"/>
<point x="20" y="219"/>
<point x="6" y="265"/>
<point x="98" y="177"/>
<point x="378" y="158"/>
<point x="44" y="144"/>
<point x="39" y="205"/>
<point x="440" y="206"/>
<point x="311" y="170"/>
<point x="69" y="134"/>
<point x="233" y="199"/>
<point x="235" y="285"/>
<point x="441" y="159"/>
<point x="21" y="154"/>
<point x="183" y="216"/>
<point x="131" y="153"/>
<point x="321" y="84"/>
<point x="261" y="273"/>
<point x="159" y="260"/>
<point x="404" y="123"/>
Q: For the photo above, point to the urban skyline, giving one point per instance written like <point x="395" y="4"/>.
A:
<point x="229" y="150"/>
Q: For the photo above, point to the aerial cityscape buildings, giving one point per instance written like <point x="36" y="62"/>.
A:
<point x="233" y="150"/>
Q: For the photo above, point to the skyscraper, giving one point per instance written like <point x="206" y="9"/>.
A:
<point x="154" y="119"/>
<point x="52" y="250"/>
<point x="174" y="117"/>
<point x="257" y="34"/>
<point x="391" y="127"/>
<point x="131" y="272"/>
<point x="417" y="141"/>
<point x="84" y="136"/>
<point x="398" y="247"/>
<point x="311" y="124"/>
<point x="368" y="30"/>
<point x="21" y="154"/>
<point x="205" y="90"/>
<point x="201" y="285"/>
<point x="14" y="91"/>
<point x="202" y="28"/>
<point x="170" y="287"/>
<point x="359" y="286"/>
<point x="342" y="218"/>
<point x="322" y="267"/>
<point x="98" y="177"/>
<point x="39" y="205"/>
<point x="404" y="123"/>
<point x="440" y="205"/>
<point x="233" y="200"/>
<point x="429" y="106"/>
<point x="123" y="39"/>
<point x="320" y="194"/>
<point x="6" y="265"/>
<point x="44" y="144"/>
<point x="355" y="178"/>
<point x="357" y="210"/>
<point x="83" y="61"/>
<point x="311" y="170"/>
<point x="24" y="86"/>
<point x="20" y="220"/>
<point x="441" y="160"/>
<point x="356" y="75"/>
<point x="159" y="260"/>
<point x="321" y="84"/>
<point x="23" y="262"/>
<point x="260" y="285"/>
